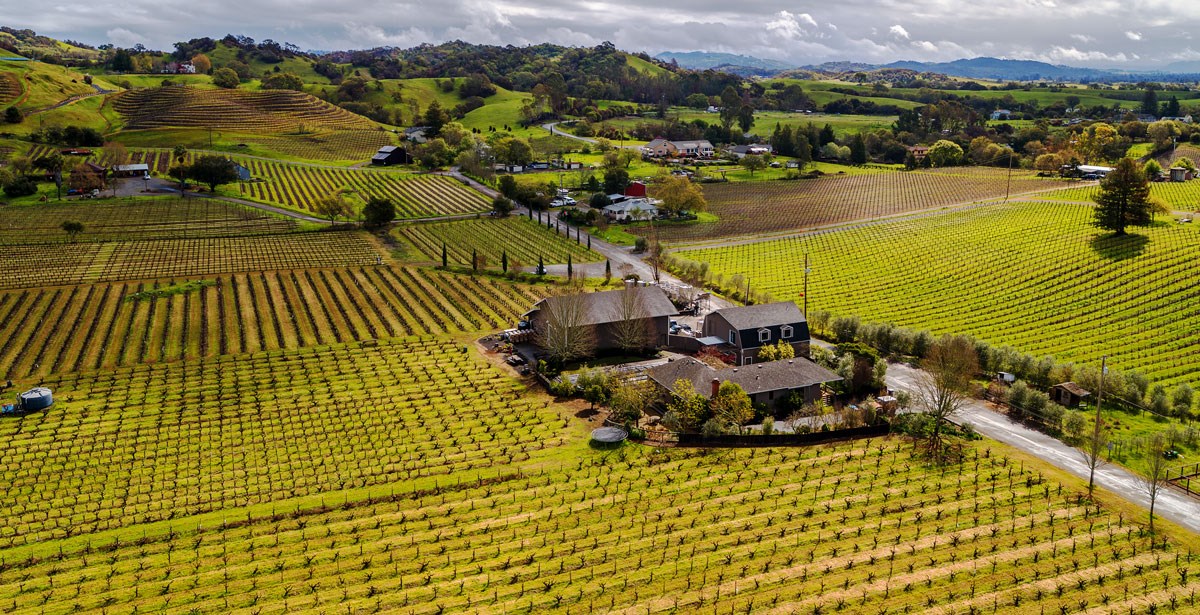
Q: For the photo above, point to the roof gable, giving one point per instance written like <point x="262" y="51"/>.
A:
<point x="605" y="307"/>
<point x="756" y="378"/>
<point x="762" y="315"/>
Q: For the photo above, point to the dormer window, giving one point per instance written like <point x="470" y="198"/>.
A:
<point x="733" y="337"/>
<point x="785" y="332"/>
<point x="764" y="335"/>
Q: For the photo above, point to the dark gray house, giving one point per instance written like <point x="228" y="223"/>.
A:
<point x="390" y="154"/>
<point x="747" y="329"/>
<point x="766" y="383"/>
<point x="608" y="314"/>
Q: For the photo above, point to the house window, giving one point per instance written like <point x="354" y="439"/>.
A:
<point x="748" y="361"/>
<point x="764" y="335"/>
<point x="785" y="332"/>
<point x="733" y="337"/>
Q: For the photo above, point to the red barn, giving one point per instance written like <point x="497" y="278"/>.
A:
<point x="635" y="190"/>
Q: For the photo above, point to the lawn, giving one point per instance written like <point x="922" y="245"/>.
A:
<point x="1035" y="276"/>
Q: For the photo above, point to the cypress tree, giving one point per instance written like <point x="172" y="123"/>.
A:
<point x="443" y="255"/>
<point x="541" y="270"/>
<point x="570" y="269"/>
<point x="474" y="260"/>
<point x="504" y="261"/>
<point x="589" y="242"/>
<point x="607" y="268"/>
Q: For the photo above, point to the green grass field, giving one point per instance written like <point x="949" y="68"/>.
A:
<point x="1034" y="276"/>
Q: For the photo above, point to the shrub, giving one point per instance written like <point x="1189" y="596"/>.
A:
<point x="21" y="186"/>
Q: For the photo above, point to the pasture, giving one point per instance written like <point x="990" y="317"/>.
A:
<point x="790" y="206"/>
<point x="1036" y="276"/>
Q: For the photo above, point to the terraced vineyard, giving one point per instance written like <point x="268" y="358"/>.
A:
<point x="1036" y="276"/>
<point x="10" y="87"/>
<point x="252" y="111"/>
<point x="130" y="219"/>
<point x="522" y="239"/>
<point x="415" y="196"/>
<point x="771" y="207"/>
<point x="104" y="325"/>
<point x="859" y="527"/>
<point x="155" y="443"/>
<point x="27" y="266"/>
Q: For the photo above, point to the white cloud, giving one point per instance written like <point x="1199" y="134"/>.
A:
<point x="1133" y="36"/>
<point x="122" y="37"/>
<point x="789" y="25"/>
<point x="898" y="31"/>
<point x="1083" y="38"/>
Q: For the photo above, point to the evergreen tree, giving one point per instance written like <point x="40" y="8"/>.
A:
<point x="607" y="271"/>
<point x="541" y="269"/>
<point x="858" y="149"/>
<point x="443" y="255"/>
<point x="1150" y="102"/>
<point x="504" y="261"/>
<point x="1124" y="198"/>
<point x="570" y="268"/>
<point x="474" y="260"/>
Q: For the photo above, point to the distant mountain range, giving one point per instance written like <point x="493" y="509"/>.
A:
<point x="703" y="60"/>
<point x="974" y="68"/>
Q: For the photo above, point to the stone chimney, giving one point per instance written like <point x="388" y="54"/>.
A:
<point x="716" y="386"/>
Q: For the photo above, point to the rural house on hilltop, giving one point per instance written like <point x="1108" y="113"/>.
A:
<point x="662" y="148"/>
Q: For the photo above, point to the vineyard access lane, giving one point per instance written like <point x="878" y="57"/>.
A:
<point x="1171" y="504"/>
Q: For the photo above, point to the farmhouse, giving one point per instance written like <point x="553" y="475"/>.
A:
<point x="919" y="152"/>
<point x="389" y="155"/>
<point x="1001" y="114"/>
<point x="416" y="134"/>
<point x="660" y="148"/>
<point x="631" y="209"/>
<point x="757" y="149"/>
<point x="769" y="384"/>
<point x="601" y="312"/>
<point x="1068" y="394"/>
<point x="748" y="329"/>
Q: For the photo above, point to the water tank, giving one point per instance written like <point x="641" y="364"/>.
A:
<point x="38" y="398"/>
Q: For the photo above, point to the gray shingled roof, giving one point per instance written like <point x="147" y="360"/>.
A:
<point x="605" y="307"/>
<point x="763" y="315"/>
<point x="756" y="378"/>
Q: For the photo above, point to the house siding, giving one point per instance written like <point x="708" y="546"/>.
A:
<point x="746" y="341"/>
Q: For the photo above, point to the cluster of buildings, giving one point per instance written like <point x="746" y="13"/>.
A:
<point x="739" y="334"/>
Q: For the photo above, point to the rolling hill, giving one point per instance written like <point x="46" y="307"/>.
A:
<point x="270" y="110"/>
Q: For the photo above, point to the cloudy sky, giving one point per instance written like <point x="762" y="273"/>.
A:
<point x="1120" y="33"/>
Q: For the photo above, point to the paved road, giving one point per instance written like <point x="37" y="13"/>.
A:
<point x="1171" y="504"/>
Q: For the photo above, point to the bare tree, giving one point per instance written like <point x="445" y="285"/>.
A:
<point x="945" y="386"/>
<point x="1154" y="478"/>
<point x="1091" y="449"/>
<point x="632" y="333"/>
<point x="562" y="329"/>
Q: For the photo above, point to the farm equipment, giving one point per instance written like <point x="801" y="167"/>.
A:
<point x="34" y="399"/>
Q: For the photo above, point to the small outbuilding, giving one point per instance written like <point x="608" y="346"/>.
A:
<point x="391" y="154"/>
<point x="1179" y="174"/>
<point x="131" y="170"/>
<point x="1068" y="394"/>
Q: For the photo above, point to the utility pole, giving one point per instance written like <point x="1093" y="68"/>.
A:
<point x="806" y="271"/>
<point x="1096" y="432"/>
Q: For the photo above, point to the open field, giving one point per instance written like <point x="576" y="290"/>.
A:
<point x="40" y="84"/>
<point x="522" y="239"/>
<point x="98" y="326"/>
<point x="415" y="196"/>
<point x="860" y="527"/>
<point x="771" y="207"/>
<point x="1036" y="276"/>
